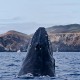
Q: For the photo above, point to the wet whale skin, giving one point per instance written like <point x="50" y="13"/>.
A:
<point x="39" y="60"/>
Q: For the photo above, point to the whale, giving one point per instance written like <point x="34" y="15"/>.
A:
<point x="39" y="60"/>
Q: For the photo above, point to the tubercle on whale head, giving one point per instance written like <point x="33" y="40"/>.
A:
<point x="40" y="38"/>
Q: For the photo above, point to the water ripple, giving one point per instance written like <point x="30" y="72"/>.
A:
<point x="67" y="66"/>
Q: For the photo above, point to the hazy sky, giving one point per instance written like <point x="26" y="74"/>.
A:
<point x="40" y="11"/>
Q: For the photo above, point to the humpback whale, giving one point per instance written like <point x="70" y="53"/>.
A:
<point x="39" y="60"/>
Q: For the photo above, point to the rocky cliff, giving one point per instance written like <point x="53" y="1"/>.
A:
<point x="65" y="38"/>
<point x="65" y="42"/>
<point x="14" y="41"/>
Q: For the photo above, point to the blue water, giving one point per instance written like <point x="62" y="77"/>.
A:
<point x="67" y="66"/>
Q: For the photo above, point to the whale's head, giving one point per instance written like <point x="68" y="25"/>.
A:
<point x="39" y="60"/>
<point x="40" y="42"/>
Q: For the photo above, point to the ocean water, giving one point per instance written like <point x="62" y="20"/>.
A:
<point x="67" y="66"/>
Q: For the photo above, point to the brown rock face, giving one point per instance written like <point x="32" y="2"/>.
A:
<point x="65" y="38"/>
<point x="14" y="41"/>
<point x="68" y="42"/>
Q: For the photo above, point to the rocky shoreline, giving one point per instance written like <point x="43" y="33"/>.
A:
<point x="68" y="41"/>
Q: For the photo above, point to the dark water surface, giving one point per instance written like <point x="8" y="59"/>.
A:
<point x="67" y="66"/>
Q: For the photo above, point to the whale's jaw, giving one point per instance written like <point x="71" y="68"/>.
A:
<point x="39" y="60"/>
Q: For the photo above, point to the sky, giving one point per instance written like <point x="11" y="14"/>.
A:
<point x="47" y="12"/>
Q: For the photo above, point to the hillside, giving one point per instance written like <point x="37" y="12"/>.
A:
<point x="71" y="28"/>
<point x="65" y="38"/>
<point x="14" y="41"/>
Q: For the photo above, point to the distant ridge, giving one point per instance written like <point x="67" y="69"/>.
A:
<point x="14" y="32"/>
<point x="71" y="28"/>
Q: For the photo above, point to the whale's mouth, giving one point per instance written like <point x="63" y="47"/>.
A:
<point x="31" y="76"/>
<point x="27" y="76"/>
